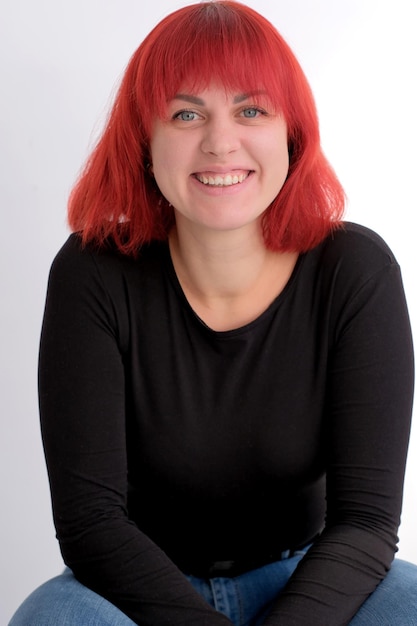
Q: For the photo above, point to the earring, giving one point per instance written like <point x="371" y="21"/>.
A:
<point x="149" y="168"/>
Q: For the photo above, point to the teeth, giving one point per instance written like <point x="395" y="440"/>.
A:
<point x="222" y="181"/>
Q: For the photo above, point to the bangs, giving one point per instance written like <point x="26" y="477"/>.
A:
<point x="215" y="43"/>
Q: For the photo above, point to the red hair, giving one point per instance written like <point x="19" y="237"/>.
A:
<point x="230" y="44"/>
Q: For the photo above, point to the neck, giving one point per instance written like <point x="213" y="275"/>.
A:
<point x="229" y="279"/>
<point x="219" y="265"/>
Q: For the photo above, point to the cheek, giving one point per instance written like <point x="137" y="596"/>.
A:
<point x="165" y="156"/>
<point x="161" y="162"/>
<point x="157" y="150"/>
<point x="273" y="145"/>
<point x="281" y="154"/>
<point x="165" y="164"/>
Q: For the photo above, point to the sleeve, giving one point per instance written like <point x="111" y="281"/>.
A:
<point x="81" y="395"/>
<point x="370" y="390"/>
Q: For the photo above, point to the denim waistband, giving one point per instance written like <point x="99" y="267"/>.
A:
<point x="231" y="568"/>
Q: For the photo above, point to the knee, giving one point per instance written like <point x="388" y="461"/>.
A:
<point x="65" y="601"/>
<point x="39" y="607"/>
<point x="394" y="601"/>
<point x="402" y="579"/>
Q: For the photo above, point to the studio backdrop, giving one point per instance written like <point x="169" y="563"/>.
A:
<point x="60" y="63"/>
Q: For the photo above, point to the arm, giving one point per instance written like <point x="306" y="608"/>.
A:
<point x="81" y="390"/>
<point x="370" y="388"/>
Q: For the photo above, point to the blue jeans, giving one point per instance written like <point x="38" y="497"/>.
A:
<point x="245" y="599"/>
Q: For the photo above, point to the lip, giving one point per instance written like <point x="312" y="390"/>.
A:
<point x="222" y="171"/>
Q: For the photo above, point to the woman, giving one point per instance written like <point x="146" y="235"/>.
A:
<point x="226" y="368"/>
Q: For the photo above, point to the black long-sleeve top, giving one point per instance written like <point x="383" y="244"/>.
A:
<point x="170" y="445"/>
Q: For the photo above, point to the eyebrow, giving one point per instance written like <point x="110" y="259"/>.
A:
<point x="200" y="102"/>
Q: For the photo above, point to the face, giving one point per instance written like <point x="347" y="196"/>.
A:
<point x="219" y="158"/>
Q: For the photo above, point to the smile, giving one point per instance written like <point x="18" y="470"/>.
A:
<point x="222" y="181"/>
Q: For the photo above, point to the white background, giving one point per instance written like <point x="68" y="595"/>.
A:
<point x="59" y="64"/>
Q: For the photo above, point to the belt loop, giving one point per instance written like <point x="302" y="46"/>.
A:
<point x="285" y="554"/>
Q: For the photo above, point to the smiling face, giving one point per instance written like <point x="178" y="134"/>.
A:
<point x="219" y="158"/>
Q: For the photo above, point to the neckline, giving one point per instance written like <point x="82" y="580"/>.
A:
<point x="234" y="332"/>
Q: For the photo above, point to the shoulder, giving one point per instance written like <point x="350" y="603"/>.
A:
<point x="353" y="240"/>
<point x="352" y="260"/>
<point x="91" y="283"/>
<point x="75" y="253"/>
<point x="80" y="262"/>
<point x="356" y="251"/>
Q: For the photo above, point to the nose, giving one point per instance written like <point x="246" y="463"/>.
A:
<point x="220" y="138"/>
